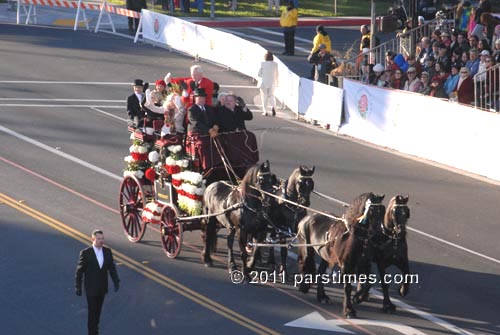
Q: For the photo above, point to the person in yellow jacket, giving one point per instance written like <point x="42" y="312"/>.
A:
<point x="321" y="38"/>
<point x="288" y="21"/>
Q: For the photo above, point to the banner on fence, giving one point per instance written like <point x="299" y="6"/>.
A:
<point x="427" y="127"/>
<point x="320" y="102"/>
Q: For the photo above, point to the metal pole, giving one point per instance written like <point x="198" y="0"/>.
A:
<point x="212" y="9"/>
<point x="335" y="8"/>
<point x="372" y="26"/>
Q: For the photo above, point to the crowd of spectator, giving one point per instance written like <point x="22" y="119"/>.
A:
<point x="449" y="64"/>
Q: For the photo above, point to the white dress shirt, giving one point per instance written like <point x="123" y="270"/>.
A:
<point x="99" y="255"/>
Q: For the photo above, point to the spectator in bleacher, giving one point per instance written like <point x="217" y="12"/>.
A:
<point x="496" y="52"/>
<point x="268" y="81"/>
<point x="400" y="61"/>
<point x="425" y="50"/>
<point x="484" y="7"/>
<point x="456" y="56"/>
<point x="492" y="85"/>
<point x="452" y="80"/>
<point x="398" y="80"/>
<point x="441" y="73"/>
<point x="491" y="23"/>
<point x="483" y="45"/>
<point x="425" y="89"/>
<point x="444" y="58"/>
<point x="465" y="87"/>
<point x="465" y="57"/>
<point x="446" y="39"/>
<point x="472" y="22"/>
<point x="136" y="6"/>
<point x="380" y="78"/>
<point x="363" y="45"/>
<point x="413" y="84"/>
<point x="437" y="90"/>
<point x="473" y="41"/>
<point x="496" y="34"/>
<point x="436" y="36"/>
<point x="412" y="62"/>
<point x="288" y="21"/>
<point x="390" y="65"/>
<point x="454" y="43"/>
<point x="473" y="62"/>
<point x="367" y="74"/>
<point x="430" y="66"/>
<point x="462" y="15"/>
<point x="463" y="43"/>
<point x="480" y="77"/>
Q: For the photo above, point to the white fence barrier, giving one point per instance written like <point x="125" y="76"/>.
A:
<point x="448" y="133"/>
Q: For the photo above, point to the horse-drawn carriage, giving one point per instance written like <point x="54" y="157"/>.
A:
<point x="165" y="183"/>
<point x="165" y="178"/>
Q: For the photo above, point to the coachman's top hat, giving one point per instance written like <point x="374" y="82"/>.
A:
<point x="200" y="92"/>
<point x="138" y="82"/>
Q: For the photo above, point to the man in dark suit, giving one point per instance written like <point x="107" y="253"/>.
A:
<point x="136" y="6"/>
<point x="93" y="266"/>
<point x="201" y="119"/>
<point x="232" y="115"/>
<point x="135" y="102"/>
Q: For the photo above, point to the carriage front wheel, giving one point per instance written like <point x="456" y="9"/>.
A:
<point x="132" y="202"/>
<point x="171" y="231"/>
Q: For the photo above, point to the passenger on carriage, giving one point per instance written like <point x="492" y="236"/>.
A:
<point x="135" y="102"/>
<point x="175" y="114"/>
<point x="201" y="118"/>
<point x="232" y="115"/>
<point x="189" y="85"/>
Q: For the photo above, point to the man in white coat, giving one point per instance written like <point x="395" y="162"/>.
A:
<point x="268" y="74"/>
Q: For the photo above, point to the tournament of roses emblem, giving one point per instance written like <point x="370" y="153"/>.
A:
<point x="156" y="27"/>
<point x="363" y="104"/>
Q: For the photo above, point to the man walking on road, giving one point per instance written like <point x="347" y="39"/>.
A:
<point x="93" y="266"/>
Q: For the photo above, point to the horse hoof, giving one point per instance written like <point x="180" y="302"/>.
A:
<point x="350" y="315"/>
<point x="209" y="264"/>
<point x="304" y="288"/>
<point x="232" y="267"/>
<point x="324" y="300"/>
<point x="403" y="290"/>
<point x="389" y="309"/>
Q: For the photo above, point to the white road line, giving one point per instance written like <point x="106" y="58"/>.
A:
<point x="408" y="308"/>
<point x="109" y="114"/>
<point x="258" y="38"/>
<point x="272" y="32"/>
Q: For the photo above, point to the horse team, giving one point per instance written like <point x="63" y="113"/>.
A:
<point x="262" y="209"/>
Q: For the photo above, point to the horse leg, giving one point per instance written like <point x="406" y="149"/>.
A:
<point x="208" y="235"/>
<point x="284" y="256"/>
<point x="306" y="266"/>
<point x="231" y="264"/>
<point x="405" y="286"/>
<point x="363" y="290"/>
<point x="349" y="311"/>
<point x="271" y="261"/>
<point x="387" y="305"/>
<point x="321" y="295"/>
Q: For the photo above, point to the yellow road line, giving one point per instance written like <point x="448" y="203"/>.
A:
<point x="147" y="272"/>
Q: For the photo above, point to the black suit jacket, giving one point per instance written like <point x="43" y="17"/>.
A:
<point x="199" y="121"/>
<point x="229" y="120"/>
<point x="95" y="279"/>
<point x="134" y="106"/>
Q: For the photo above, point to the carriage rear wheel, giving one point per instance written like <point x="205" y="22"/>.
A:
<point x="171" y="231"/>
<point x="132" y="202"/>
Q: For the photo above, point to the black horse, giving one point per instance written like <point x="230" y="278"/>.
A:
<point x="286" y="215"/>
<point x="339" y="241"/>
<point x="390" y="247"/>
<point x="242" y="209"/>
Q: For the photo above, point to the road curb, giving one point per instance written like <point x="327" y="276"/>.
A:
<point x="275" y="23"/>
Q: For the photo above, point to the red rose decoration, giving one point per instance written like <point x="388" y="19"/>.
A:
<point x="150" y="174"/>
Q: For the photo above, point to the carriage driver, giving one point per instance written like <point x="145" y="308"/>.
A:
<point x="201" y="118"/>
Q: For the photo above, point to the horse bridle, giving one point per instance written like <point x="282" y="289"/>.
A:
<point x="300" y="196"/>
<point x="396" y="229"/>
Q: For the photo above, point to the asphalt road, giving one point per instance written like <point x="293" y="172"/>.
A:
<point x="62" y="129"/>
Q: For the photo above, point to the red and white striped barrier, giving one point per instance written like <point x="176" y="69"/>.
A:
<point x="80" y="6"/>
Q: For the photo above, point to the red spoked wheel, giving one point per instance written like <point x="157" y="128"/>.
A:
<point x="132" y="202"/>
<point x="171" y="231"/>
